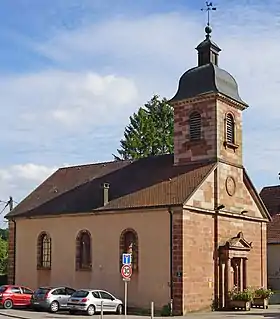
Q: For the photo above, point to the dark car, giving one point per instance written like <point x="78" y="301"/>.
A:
<point x="51" y="298"/>
<point x="13" y="296"/>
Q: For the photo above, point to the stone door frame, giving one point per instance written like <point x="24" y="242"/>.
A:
<point x="234" y="252"/>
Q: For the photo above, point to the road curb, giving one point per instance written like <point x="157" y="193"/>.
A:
<point x="12" y="316"/>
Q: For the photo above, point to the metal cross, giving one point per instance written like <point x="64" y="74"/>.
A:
<point x="209" y="7"/>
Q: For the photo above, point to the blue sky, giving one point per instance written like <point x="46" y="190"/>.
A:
<point x="71" y="73"/>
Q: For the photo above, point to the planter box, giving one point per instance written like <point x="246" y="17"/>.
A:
<point x="240" y="304"/>
<point x="260" y="303"/>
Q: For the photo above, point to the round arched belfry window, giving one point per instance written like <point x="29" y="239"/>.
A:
<point x="230" y="128"/>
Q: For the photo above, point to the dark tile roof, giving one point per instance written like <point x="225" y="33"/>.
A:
<point x="270" y="195"/>
<point x="273" y="230"/>
<point x="149" y="182"/>
<point x="207" y="78"/>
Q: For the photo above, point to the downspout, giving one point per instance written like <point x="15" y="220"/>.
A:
<point x="14" y="252"/>
<point x="262" y="246"/>
<point x="216" y="300"/>
<point x="171" y="258"/>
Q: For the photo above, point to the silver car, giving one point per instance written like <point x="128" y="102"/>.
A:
<point x="51" y="298"/>
<point x="89" y="301"/>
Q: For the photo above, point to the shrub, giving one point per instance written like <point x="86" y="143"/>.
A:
<point x="166" y="311"/>
<point x="245" y="295"/>
<point x="263" y="293"/>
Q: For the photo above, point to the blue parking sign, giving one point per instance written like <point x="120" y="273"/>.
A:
<point x="126" y="259"/>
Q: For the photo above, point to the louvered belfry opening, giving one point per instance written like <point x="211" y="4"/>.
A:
<point x="195" y="126"/>
<point x="230" y="128"/>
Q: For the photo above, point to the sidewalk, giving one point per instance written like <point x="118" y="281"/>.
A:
<point x="273" y="312"/>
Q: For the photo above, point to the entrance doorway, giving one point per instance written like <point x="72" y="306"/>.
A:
<point x="233" y="259"/>
<point x="239" y="273"/>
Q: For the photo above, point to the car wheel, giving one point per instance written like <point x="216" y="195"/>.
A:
<point x="54" y="306"/>
<point x="8" y="304"/>
<point x="90" y="310"/>
<point x="119" y="310"/>
<point x="72" y="312"/>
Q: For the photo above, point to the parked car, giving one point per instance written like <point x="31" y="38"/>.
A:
<point x="51" y="298"/>
<point x="89" y="301"/>
<point x="12" y="295"/>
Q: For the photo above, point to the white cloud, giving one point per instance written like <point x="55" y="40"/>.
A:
<point x="31" y="171"/>
<point x="15" y="180"/>
<point x="90" y="98"/>
<point x="152" y="37"/>
<point x="18" y="180"/>
<point x="68" y="98"/>
<point x="5" y="175"/>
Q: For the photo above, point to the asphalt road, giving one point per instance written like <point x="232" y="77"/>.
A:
<point x="272" y="313"/>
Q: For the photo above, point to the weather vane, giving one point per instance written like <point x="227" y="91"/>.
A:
<point x="209" y="7"/>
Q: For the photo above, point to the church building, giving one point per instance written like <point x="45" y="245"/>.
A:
<point x="193" y="221"/>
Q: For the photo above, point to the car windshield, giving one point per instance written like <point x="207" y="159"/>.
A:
<point x="3" y="288"/>
<point x="80" y="294"/>
<point x="42" y="291"/>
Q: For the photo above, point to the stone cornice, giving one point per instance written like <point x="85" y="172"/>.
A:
<point x="210" y="96"/>
<point x="224" y="214"/>
<point x="231" y="102"/>
<point x="197" y="99"/>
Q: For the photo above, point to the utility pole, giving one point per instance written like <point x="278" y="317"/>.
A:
<point x="11" y="203"/>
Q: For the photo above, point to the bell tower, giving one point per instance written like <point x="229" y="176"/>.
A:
<point x="207" y="111"/>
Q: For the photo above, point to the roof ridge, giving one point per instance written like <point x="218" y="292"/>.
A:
<point x="117" y="161"/>
<point x="199" y="162"/>
<point x="271" y="186"/>
<point x="95" y="164"/>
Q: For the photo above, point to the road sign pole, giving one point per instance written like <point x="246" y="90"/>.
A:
<point x="125" y="298"/>
<point x="126" y="271"/>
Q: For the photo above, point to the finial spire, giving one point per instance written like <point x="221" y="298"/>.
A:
<point x="209" y="7"/>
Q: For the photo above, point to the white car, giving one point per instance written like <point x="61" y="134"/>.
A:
<point x="89" y="301"/>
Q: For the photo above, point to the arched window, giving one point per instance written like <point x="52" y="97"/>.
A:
<point x="44" y="251"/>
<point x="83" y="250"/>
<point x="129" y="244"/>
<point x="195" y="126"/>
<point x="230" y="129"/>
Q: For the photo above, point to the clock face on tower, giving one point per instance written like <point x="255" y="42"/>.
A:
<point x="230" y="185"/>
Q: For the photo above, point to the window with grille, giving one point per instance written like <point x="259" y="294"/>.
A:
<point x="44" y="251"/>
<point x="230" y="129"/>
<point x="195" y="126"/>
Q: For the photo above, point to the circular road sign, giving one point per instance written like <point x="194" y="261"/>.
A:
<point x="126" y="271"/>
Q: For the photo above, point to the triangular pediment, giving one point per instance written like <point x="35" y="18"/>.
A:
<point x="238" y="243"/>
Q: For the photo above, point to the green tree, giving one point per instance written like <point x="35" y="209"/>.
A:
<point x="3" y="256"/>
<point x="150" y="131"/>
<point x="4" y="232"/>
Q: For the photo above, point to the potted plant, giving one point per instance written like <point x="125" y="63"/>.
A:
<point x="261" y="296"/>
<point x="241" y="299"/>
